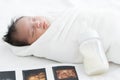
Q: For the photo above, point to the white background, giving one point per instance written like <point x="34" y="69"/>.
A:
<point x="12" y="8"/>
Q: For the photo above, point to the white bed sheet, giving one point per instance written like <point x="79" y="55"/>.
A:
<point x="9" y="61"/>
<point x="11" y="8"/>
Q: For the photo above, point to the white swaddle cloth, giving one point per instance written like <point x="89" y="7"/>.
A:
<point x="54" y="44"/>
<point x="62" y="39"/>
<point x="62" y="42"/>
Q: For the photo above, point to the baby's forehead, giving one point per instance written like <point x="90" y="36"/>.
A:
<point x="22" y="27"/>
<point x="23" y="20"/>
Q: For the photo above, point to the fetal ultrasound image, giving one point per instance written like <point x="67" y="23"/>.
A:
<point x="34" y="74"/>
<point x="65" y="73"/>
<point x="7" y="75"/>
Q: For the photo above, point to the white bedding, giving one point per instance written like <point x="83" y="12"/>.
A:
<point x="11" y="62"/>
<point x="9" y="9"/>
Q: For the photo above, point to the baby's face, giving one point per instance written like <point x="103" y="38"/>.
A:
<point x="29" y="28"/>
<point x="33" y="78"/>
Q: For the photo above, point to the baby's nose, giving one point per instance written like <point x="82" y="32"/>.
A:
<point x="37" y="24"/>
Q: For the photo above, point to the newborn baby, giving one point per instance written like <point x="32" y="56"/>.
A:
<point x="26" y="30"/>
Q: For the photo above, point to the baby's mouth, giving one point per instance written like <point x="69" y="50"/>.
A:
<point x="44" y="25"/>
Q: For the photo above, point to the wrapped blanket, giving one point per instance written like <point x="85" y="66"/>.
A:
<point x="76" y="36"/>
<point x="62" y="39"/>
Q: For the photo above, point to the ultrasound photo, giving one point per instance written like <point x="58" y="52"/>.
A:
<point x="34" y="74"/>
<point x="7" y="75"/>
<point x="65" y="73"/>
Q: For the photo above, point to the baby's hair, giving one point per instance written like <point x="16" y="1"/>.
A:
<point x="9" y="37"/>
